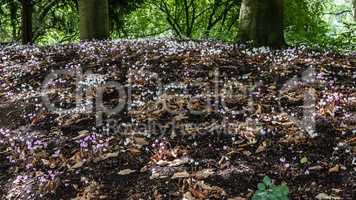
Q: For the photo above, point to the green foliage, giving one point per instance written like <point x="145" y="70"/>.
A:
<point x="146" y="21"/>
<point x="268" y="191"/>
<point x="303" y="21"/>
<point x="56" y="22"/>
<point x="316" y="23"/>
<point x="118" y="12"/>
<point x="196" y="19"/>
<point x="321" y="24"/>
<point x="9" y="22"/>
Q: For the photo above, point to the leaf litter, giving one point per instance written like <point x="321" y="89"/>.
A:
<point x="204" y="120"/>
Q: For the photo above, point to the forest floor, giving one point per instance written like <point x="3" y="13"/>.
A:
<point x="193" y="120"/>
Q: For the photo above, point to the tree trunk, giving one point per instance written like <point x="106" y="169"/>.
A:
<point x="94" y="19"/>
<point x="261" y="21"/>
<point x="26" y="22"/>
<point x="13" y="13"/>
<point x="354" y="6"/>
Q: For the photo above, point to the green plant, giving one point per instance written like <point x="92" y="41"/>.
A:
<point x="268" y="191"/>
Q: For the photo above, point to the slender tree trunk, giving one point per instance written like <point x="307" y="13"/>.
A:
<point x="354" y="6"/>
<point x="94" y="19"/>
<point x="261" y="21"/>
<point x="13" y="13"/>
<point x="27" y="37"/>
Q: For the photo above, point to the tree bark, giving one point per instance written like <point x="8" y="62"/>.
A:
<point x="27" y="37"/>
<point x="94" y="19"/>
<point x="261" y="21"/>
<point x="13" y="13"/>
<point x="354" y="7"/>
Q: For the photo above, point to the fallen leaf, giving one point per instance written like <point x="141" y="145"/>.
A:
<point x="204" y="173"/>
<point x="134" y="151"/>
<point x="323" y="196"/>
<point x="303" y="160"/>
<point x="262" y="147"/>
<point x="162" y="163"/>
<point x="81" y="134"/>
<point x="247" y="153"/>
<point x="316" y="168"/>
<point x="177" y="175"/>
<point x="126" y="172"/>
<point x="198" y="194"/>
<point x="106" y="156"/>
<point x="178" y="162"/>
<point x="334" y="169"/>
<point x="140" y="141"/>
<point x="78" y="165"/>
<point x="188" y="196"/>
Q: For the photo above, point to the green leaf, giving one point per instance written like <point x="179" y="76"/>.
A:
<point x="267" y="181"/>
<point x="259" y="196"/>
<point x="268" y="191"/>
<point x="261" y="187"/>
<point x="284" y="189"/>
